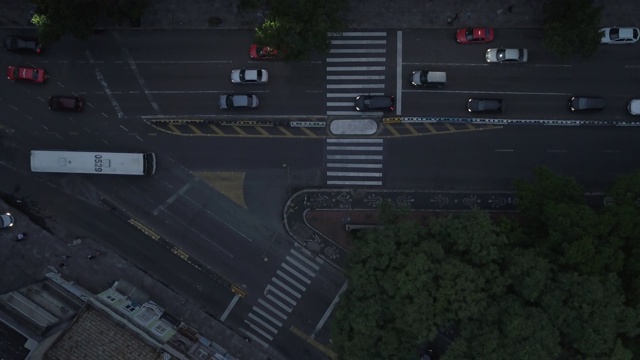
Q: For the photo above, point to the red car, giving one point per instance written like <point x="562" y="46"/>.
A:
<point x="36" y="75"/>
<point x="263" y="52"/>
<point x="474" y="35"/>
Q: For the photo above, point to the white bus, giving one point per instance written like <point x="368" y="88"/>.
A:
<point x="93" y="162"/>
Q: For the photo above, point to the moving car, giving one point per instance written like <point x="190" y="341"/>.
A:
<point x="634" y="107"/>
<point x="264" y="53"/>
<point x="619" y="35"/>
<point x="249" y="76"/>
<point x="500" y="55"/>
<point x="238" y="101"/>
<point x="426" y="78"/>
<point x="6" y="220"/>
<point x="22" y="44"/>
<point x="62" y="103"/>
<point x="484" y="105"/>
<point x="474" y="35"/>
<point x="36" y="75"/>
<point x="375" y="102"/>
<point x="583" y="103"/>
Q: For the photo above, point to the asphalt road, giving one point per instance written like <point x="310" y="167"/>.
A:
<point x="179" y="74"/>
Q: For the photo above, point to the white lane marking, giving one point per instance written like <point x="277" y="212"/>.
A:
<point x="355" y="86"/>
<point x="273" y="320"/>
<point x="294" y="272"/>
<point x="175" y="196"/>
<point x="284" y="286"/>
<point x="352" y="95"/>
<point x="368" y="113"/>
<point x="557" y="151"/>
<point x="253" y="336"/>
<point x="263" y="323"/>
<point x="134" y="68"/>
<point x="270" y="289"/>
<point x="360" y="141"/>
<point x="349" y="51"/>
<point x="503" y="150"/>
<point x="228" y="309"/>
<point x="359" y="33"/>
<point x="107" y="91"/>
<point x="355" y="174"/>
<point x="290" y="280"/>
<point x="355" y="68"/>
<point x="360" y="166"/>
<point x="255" y="328"/>
<point x="329" y="310"/>
<point x="351" y="59"/>
<point x="368" y="183"/>
<point x="399" y="73"/>
<point x="488" y="92"/>
<point x="305" y="259"/>
<point x="273" y="310"/>
<point x="354" y="157"/>
<point x="355" y="77"/>
<point x="358" y="42"/>
<point x="354" y="148"/>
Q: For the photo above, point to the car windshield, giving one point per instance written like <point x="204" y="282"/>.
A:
<point x="15" y="73"/>
<point x="241" y="75"/>
<point x="229" y="101"/>
<point x="500" y="54"/>
<point x="469" y="34"/>
<point x="614" y="33"/>
<point x="34" y="74"/>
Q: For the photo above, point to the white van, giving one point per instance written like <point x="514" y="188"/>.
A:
<point x="634" y="107"/>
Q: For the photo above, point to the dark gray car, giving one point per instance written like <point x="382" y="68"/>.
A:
<point x="484" y="105"/>
<point x="238" y="101"/>
<point x="584" y="103"/>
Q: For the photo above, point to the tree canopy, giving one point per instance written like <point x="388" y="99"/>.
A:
<point x="571" y="27"/>
<point x="557" y="281"/>
<point x="300" y="27"/>
<point x="78" y="18"/>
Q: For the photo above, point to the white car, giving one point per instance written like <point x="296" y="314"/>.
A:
<point x="500" y="55"/>
<point x="249" y="76"/>
<point x="6" y="220"/>
<point x="619" y="35"/>
<point x="634" y="107"/>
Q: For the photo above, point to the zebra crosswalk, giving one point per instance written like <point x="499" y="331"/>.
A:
<point x="355" y="66"/>
<point x="281" y="295"/>
<point x="354" y="162"/>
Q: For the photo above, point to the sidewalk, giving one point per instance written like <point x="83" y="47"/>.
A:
<point x="378" y="14"/>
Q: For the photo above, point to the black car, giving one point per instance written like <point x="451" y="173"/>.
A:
<point x="66" y="103"/>
<point x="484" y="105"/>
<point x="583" y="103"/>
<point x="22" y="44"/>
<point x="375" y="102"/>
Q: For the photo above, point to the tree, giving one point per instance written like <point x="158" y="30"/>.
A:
<point x="572" y="27"/>
<point x="299" y="27"/>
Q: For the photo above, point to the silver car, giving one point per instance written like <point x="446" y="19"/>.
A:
<point x="249" y="76"/>
<point x="6" y="220"/>
<point x="238" y="101"/>
<point x="500" y="55"/>
<point x="619" y="35"/>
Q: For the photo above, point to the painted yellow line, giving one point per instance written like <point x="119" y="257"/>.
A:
<point x="414" y="131"/>
<point x="391" y="129"/>
<point x="240" y="131"/>
<point x="430" y="128"/>
<point x="180" y="253"/>
<point x="174" y="129"/>
<point x="215" y="128"/>
<point x="263" y="131"/>
<point x="238" y="291"/>
<point x="285" y="131"/>
<point x="470" y="126"/>
<point x="144" y="229"/>
<point x="314" y="343"/>
<point x="195" y="129"/>
<point x="451" y="128"/>
<point x="308" y="132"/>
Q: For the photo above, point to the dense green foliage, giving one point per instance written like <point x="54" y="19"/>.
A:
<point x="55" y="19"/>
<point x="571" y="27"/>
<point x="300" y="27"/>
<point x="558" y="281"/>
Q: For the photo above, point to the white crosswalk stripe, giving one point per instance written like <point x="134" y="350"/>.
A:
<point x="281" y="295"/>
<point x="354" y="162"/>
<point x="355" y="66"/>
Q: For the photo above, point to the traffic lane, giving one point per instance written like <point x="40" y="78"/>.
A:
<point x="533" y="106"/>
<point x="187" y="45"/>
<point x="494" y="159"/>
<point x="439" y="47"/>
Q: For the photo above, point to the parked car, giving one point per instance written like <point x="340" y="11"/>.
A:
<point x="474" y="35"/>
<point x="6" y="220"/>
<point x="500" y="55"/>
<point x="36" y="75"/>
<point x="264" y="53"/>
<point x="619" y="35"/>
<point x="375" y="102"/>
<point x="584" y="103"/>
<point x="66" y="103"/>
<point x="22" y="44"/>
<point x="484" y="105"/>
<point x="249" y="76"/>
<point x="238" y="101"/>
<point x="426" y="78"/>
<point x="634" y="107"/>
